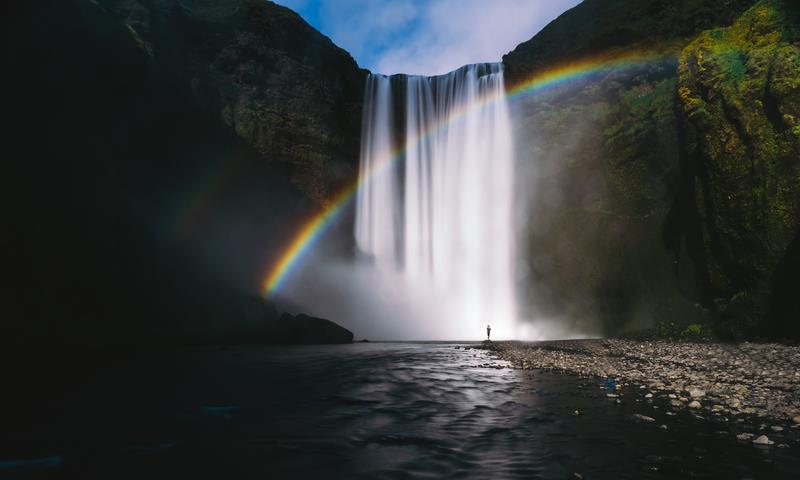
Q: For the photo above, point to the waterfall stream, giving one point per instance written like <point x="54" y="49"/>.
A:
<point x="435" y="202"/>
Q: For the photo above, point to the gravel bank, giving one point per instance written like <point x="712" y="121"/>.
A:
<point x="725" y="381"/>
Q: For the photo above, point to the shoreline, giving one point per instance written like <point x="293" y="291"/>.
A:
<point x="730" y="383"/>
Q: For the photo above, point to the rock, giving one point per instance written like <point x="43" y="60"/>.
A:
<point x="744" y="436"/>
<point x="662" y="427"/>
<point x="776" y="428"/>
<point x="611" y="395"/>
<point x="642" y="418"/>
<point x="649" y="395"/>
<point x="796" y="420"/>
<point x="304" y="329"/>
<point x="762" y="440"/>
<point x="697" y="393"/>
<point x="694" y="404"/>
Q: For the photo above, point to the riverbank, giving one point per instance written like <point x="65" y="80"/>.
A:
<point x="728" y="383"/>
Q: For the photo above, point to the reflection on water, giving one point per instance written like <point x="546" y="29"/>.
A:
<point x="364" y="411"/>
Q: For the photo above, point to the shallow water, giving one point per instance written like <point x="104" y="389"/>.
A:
<point x="377" y="410"/>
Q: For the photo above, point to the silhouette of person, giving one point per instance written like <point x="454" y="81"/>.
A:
<point x="488" y="331"/>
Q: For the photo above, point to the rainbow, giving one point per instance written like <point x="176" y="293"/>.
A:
<point x="562" y="75"/>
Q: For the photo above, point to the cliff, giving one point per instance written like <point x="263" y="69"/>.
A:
<point x="664" y="194"/>
<point x="160" y="153"/>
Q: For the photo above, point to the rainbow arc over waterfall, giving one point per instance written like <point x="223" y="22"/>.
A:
<point x="561" y="75"/>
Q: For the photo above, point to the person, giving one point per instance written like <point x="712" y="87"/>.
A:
<point x="488" y="331"/>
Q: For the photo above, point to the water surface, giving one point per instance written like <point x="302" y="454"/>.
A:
<point x="377" y="410"/>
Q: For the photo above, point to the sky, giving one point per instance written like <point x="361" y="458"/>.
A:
<point x="427" y="37"/>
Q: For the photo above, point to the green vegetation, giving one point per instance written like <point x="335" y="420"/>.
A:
<point x="668" y="185"/>
<point x="739" y="89"/>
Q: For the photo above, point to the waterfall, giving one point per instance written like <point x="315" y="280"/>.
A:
<point x="435" y="198"/>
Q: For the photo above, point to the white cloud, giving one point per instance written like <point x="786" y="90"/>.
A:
<point x="457" y="32"/>
<point x="428" y="37"/>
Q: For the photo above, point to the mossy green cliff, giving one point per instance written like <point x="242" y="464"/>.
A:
<point x="667" y="194"/>
<point x="739" y="88"/>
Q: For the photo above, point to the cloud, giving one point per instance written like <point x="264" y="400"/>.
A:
<point x="457" y="32"/>
<point x="428" y="37"/>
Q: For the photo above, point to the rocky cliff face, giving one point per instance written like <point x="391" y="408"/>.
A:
<point x="739" y="88"/>
<point x="161" y="152"/>
<point x="279" y="84"/>
<point x="664" y="193"/>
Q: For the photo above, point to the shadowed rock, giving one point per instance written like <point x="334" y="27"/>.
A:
<point x="305" y="329"/>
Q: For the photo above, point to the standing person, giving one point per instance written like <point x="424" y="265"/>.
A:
<point x="488" y="331"/>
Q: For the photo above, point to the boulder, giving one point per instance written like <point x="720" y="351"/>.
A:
<point x="305" y="329"/>
<point x="762" y="440"/>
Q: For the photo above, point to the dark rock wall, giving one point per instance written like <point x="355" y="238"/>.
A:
<point x="159" y="154"/>
<point x="282" y="86"/>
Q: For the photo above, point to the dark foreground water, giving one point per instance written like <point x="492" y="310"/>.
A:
<point x="378" y="410"/>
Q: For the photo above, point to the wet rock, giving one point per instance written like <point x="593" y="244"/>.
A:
<point x="695" y="404"/>
<point x="762" y="440"/>
<point x="744" y="436"/>
<point x="642" y="418"/>
<point x="305" y="329"/>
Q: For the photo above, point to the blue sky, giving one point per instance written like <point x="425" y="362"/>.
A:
<point x="427" y="37"/>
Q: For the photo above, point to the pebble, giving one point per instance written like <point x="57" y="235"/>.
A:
<point x="744" y="380"/>
<point x="776" y="428"/>
<point x="642" y="418"/>
<point x="744" y="436"/>
<point x="762" y="440"/>
<point x="697" y="393"/>
<point x="695" y="404"/>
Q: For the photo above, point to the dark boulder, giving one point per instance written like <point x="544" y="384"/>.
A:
<point x="305" y="329"/>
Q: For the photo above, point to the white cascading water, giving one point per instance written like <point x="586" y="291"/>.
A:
<point x="435" y="203"/>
